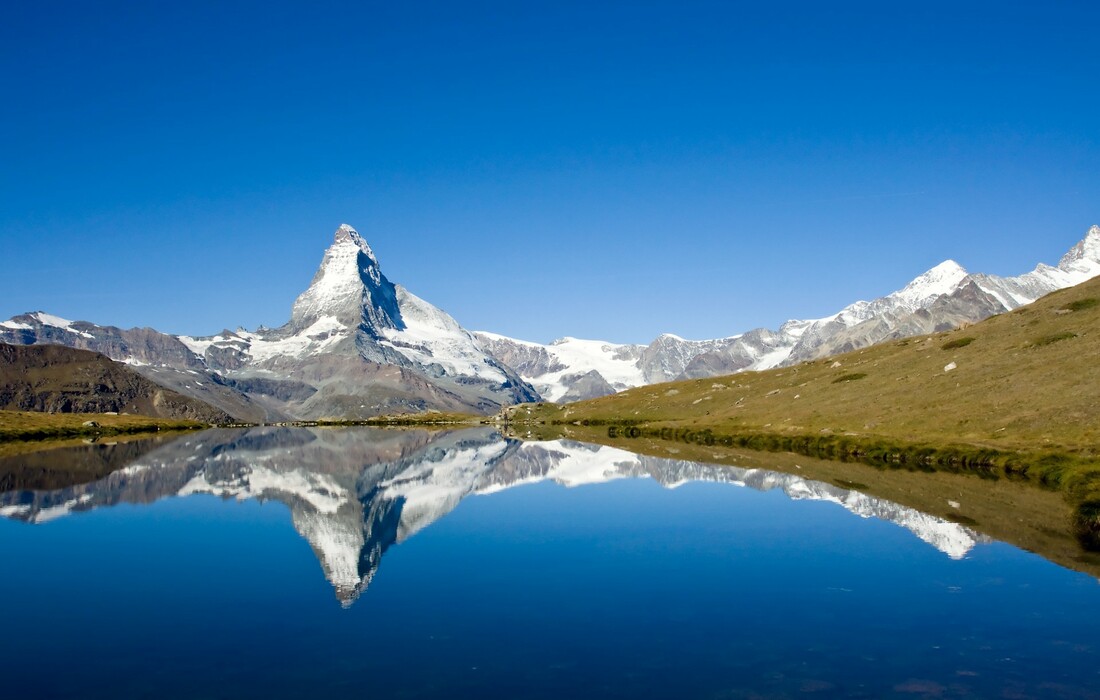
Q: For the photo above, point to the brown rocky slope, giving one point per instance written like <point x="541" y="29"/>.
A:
<point x="57" y="379"/>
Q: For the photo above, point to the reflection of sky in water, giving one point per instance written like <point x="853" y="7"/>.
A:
<point x="622" y="589"/>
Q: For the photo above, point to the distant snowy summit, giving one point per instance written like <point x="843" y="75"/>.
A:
<point x="356" y="345"/>
<point x="940" y="299"/>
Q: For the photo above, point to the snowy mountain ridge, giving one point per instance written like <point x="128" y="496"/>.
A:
<point x="941" y="298"/>
<point x="358" y="345"/>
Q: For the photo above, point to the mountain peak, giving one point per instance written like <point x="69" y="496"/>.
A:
<point x="941" y="279"/>
<point x="347" y="235"/>
<point x="1086" y="252"/>
<point x="349" y="286"/>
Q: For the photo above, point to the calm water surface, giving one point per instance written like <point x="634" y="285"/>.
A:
<point x="292" y="562"/>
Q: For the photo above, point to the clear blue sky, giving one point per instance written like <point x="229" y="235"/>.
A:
<point x="608" y="170"/>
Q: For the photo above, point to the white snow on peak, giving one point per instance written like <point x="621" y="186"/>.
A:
<point x="941" y="279"/>
<point x="338" y="285"/>
<point x="1085" y="256"/>
<point x="15" y="325"/>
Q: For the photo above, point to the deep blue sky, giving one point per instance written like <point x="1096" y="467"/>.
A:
<point x="610" y="170"/>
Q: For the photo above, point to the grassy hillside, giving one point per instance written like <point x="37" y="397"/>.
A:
<point x="29" y="425"/>
<point x="1019" y="392"/>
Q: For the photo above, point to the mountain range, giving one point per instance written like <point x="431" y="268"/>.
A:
<point x="353" y="494"/>
<point x="945" y="297"/>
<point x="358" y="345"/>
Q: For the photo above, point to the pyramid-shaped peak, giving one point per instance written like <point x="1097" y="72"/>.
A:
<point x="349" y="286"/>
<point x="347" y="235"/>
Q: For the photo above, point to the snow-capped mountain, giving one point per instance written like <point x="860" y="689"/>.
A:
<point x="940" y="299"/>
<point x="353" y="494"/>
<point x="356" y="345"/>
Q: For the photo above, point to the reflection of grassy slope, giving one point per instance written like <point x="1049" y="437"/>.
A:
<point x="26" y="425"/>
<point x="1035" y="519"/>
<point x="58" y="464"/>
<point x="1023" y="396"/>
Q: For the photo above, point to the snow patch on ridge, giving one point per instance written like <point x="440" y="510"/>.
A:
<point x="432" y="337"/>
<point x="323" y="333"/>
<point x="57" y="322"/>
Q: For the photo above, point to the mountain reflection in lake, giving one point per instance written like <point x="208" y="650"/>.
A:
<point x="354" y="493"/>
<point x="620" y="586"/>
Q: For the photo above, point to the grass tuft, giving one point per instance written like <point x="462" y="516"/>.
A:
<point x="850" y="377"/>
<point x="958" y="343"/>
<point x="1081" y="304"/>
<point x="1052" y="338"/>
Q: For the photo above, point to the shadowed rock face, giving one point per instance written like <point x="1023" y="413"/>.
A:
<point x="355" y="493"/>
<point x="356" y="345"/>
<point x="58" y="379"/>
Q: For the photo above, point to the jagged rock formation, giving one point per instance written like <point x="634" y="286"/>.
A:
<point x="356" y="345"/>
<point x="353" y="494"/>
<point x="57" y="379"/>
<point x="942" y="298"/>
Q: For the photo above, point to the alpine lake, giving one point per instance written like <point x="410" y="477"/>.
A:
<point x="332" y="562"/>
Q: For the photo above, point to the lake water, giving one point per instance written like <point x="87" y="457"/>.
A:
<point x="280" y="562"/>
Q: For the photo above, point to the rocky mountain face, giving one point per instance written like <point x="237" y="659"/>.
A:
<point x="354" y="494"/>
<point x="356" y="345"/>
<point x="942" y="298"/>
<point x="58" y="379"/>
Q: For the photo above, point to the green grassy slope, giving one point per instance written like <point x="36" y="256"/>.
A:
<point x="31" y="425"/>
